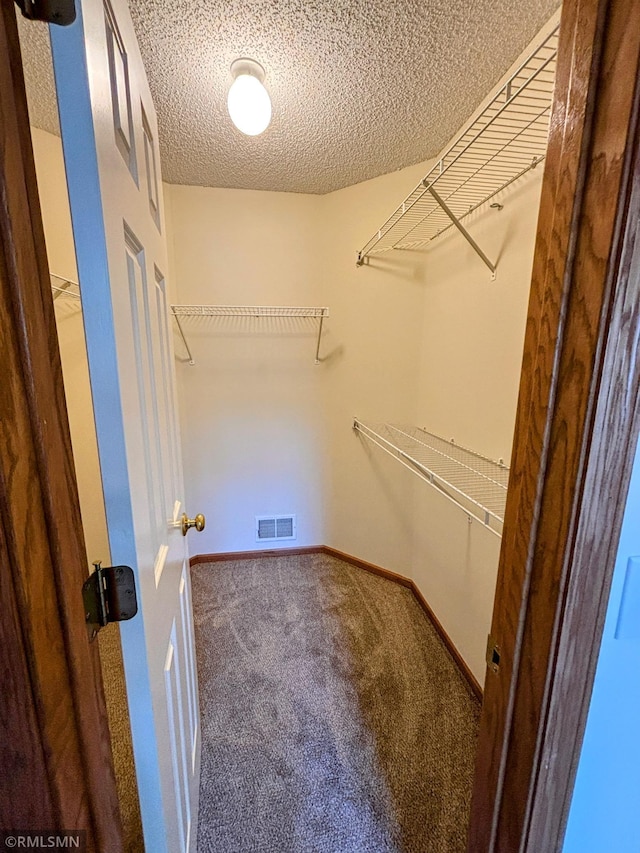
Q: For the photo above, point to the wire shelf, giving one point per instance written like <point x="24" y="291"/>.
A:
<point x="506" y="140"/>
<point x="246" y="311"/>
<point x="66" y="296"/>
<point x="476" y="484"/>
<point x="64" y="287"/>
<point x="256" y="311"/>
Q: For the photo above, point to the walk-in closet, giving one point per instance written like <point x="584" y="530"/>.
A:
<point x="292" y="362"/>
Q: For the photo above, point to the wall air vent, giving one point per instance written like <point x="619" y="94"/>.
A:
<point x="271" y="527"/>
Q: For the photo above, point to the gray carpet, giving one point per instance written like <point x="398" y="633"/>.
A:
<point x="333" y="719"/>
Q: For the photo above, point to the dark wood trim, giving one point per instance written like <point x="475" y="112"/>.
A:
<point x="611" y="444"/>
<point x="22" y="750"/>
<point x="198" y="559"/>
<point x="460" y="662"/>
<point x="575" y="428"/>
<point x="63" y="724"/>
<point x="462" y="665"/>
<point x="368" y="567"/>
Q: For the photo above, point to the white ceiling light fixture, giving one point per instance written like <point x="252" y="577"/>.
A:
<point x="248" y="101"/>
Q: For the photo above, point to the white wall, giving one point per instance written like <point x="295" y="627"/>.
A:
<point x="251" y="414"/>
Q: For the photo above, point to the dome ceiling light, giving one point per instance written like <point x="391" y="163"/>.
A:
<point x="248" y="101"/>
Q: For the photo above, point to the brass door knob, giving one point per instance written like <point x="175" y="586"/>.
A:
<point x="197" y="522"/>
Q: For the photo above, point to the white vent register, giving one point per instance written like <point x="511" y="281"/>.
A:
<point x="272" y="527"/>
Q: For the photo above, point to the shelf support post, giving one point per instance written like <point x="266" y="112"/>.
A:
<point x="319" y="337"/>
<point x="184" y="340"/>
<point x="462" y="230"/>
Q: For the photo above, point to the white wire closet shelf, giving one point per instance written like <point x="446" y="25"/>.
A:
<point x="506" y="140"/>
<point x="256" y="311"/>
<point x="474" y="483"/>
<point x="64" y="287"/>
<point x="66" y="296"/>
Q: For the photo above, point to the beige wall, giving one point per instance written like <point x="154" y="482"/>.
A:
<point x="469" y="372"/>
<point x="52" y="188"/>
<point x="426" y="338"/>
<point x="374" y="335"/>
<point x="251" y="414"/>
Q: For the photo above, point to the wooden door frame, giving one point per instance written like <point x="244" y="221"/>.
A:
<point x="576" y="430"/>
<point x="57" y="769"/>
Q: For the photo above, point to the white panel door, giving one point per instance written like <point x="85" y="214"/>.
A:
<point x="109" y="134"/>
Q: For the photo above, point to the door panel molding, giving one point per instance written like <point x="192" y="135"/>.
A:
<point x="173" y="687"/>
<point x="189" y="663"/>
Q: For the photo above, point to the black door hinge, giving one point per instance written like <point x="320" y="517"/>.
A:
<point x="62" y="12"/>
<point x="109" y="595"/>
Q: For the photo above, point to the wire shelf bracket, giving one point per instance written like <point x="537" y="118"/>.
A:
<point x="256" y="311"/>
<point x="506" y="140"/>
<point x="454" y="219"/>
<point x="472" y="482"/>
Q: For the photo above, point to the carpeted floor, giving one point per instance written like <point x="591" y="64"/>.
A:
<point x="115" y="692"/>
<point x="333" y="719"/>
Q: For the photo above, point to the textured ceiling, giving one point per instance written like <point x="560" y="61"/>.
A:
<point x="38" y="74"/>
<point x="359" y="87"/>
